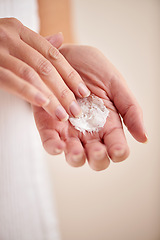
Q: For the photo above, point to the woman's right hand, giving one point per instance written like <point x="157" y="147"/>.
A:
<point x="36" y="71"/>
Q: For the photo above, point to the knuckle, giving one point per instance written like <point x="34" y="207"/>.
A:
<point x="14" y="22"/>
<point x="25" y="88"/>
<point x="4" y="34"/>
<point x="66" y="93"/>
<point x="44" y="67"/>
<point x="4" y="77"/>
<point x="51" y="97"/>
<point x="72" y="74"/>
<point x="27" y="74"/>
<point x="8" y="25"/>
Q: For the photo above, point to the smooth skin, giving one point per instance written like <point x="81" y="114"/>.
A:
<point x="103" y="79"/>
<point x="32" y="68"/>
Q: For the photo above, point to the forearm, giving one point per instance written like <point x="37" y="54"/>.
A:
<point x="55" y="16"/>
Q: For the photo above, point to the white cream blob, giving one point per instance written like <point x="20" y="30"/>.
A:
<point x="93" y="117"/>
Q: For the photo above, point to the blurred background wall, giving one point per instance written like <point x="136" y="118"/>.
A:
<point x="122" y="202"/>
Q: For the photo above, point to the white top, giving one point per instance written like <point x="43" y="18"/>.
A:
<point x="25" y="11"/>
<point x="26" y="210"/>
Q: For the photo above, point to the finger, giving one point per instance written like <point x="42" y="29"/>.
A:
<point x="69" y="75"/>
<point x="56" y="40"/>
<point x="50" y="138"/>
<point x="14" y="84"/>
<point x="97" y="155"/>
<point x="116" y="144"/>
<point x="52" y="142"/>
<point x="50" y="77"/>
<point x="114" y="138"/>
<point x="74" y="153"/>
<point x="128" y="107"/>
<point x="27" y="73"/>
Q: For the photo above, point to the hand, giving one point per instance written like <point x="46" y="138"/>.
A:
<point x="33" y="69"/>
<point x="105" y="81"/>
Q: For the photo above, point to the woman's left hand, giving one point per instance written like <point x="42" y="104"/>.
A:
<point x="106" y="82"/>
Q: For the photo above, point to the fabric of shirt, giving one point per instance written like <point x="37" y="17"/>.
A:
<point x="26" y="203"/>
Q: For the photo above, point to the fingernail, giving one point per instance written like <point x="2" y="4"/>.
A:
<point x="118" y="153"/>
<point x="77" y="157"/>
<point x="75" y="109"/>
<point x="145" y="133"/>
<point x="83" y="90"/>
<point x="42" y="100"/>
<point x="61" y="113"/>
<point x="99" y="154"/>
<point x="60" y="33"/>
<point x="58" y="151"/>
<point x="53" y="52"/>
<point x="146" y="136"/>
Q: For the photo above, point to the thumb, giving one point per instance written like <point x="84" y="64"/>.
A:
<point x="56" y="40"/>
<point x="129" y="109"/>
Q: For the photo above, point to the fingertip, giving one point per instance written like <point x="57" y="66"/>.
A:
<point x="65" y="119"/>
<point x="99" y="164"/>
<point x="145" y="138"/>
<point x="119" y="154"/>
<point x="97" y="156"/>
<point x="76" y="159"/>
<point x="61" y="113"/>
<point x="53" y="147"/>
<point x="75" y="109"/>
<point x="61" y="35"/>
<point x="140" y="136"/>
<point x="56" y="40"/>
<point x="83" y="90"/>
<point x="74" y="152"/>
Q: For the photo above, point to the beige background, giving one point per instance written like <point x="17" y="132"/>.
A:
<point x="122" y="202"/>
